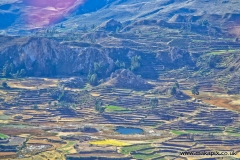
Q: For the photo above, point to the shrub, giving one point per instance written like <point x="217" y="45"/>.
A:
<point x="119" y="64"/>
<point x="135" y="62"/>
<point x="177" y="84"/>
<point x="22" y="73"/>
<point x="195" y="90"/>
<point x="5" y="85"/>
<point x="98" y="106"/>
<point x="232" y="68"/>
<point x="173" y="90"/>
<point x="93" y="79"/>
<point x="154" y="102"/>
<point x="35" y="107"/>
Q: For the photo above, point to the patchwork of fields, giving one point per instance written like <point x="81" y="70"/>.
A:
<point x="35" y="125"/>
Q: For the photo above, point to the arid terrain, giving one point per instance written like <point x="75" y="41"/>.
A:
<point x="57" y="129"/>
<point x="119" y="79"/>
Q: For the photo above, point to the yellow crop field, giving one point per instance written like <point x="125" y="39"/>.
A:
<point x="111" y="142"/>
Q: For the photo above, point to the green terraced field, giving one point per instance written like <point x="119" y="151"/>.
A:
<point x="3" y="136"/>
<point x="223" y="51"/>
<point x="190" y="132"/>
<point x="233" y="134"/>
<point x="178" y="132"/>
<point x="14" y="126"/>
<point x="142" y="156"/>
<point x="128" y="149"/>
<point x="4" y="117"/>
<point x="115" y="108"/>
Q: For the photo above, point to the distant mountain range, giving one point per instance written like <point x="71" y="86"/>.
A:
<point x="19" y="15"/>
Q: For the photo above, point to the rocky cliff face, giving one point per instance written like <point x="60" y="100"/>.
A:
<point x="111" y="25"/>
<point x="44" y="57"/>
<point x="175" y="57"/>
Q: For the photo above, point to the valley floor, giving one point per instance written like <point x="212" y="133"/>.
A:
<point x="35" y="125"/>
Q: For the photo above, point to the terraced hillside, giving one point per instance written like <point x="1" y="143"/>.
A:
<point x="119" y="79"/>
<point x="72" y="126"/>
<point x="79" y="122"/>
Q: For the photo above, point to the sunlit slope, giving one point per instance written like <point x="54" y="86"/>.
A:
<point x="25" y="15"/>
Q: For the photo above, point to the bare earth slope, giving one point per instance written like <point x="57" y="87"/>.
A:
<point x="72" y="13"/>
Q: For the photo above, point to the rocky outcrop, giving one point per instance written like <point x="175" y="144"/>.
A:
<point x="124" y="78"/>
<point x="74" y="82"/>
<point x="88" y="56"/>
<point x="45" y="57"/>
<point x="177" y="18"/>
<point x="175" y="57"/>
<point x="111" y="25"/>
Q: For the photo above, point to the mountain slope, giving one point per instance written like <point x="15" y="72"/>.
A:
<point x="78" y="12"/>
<point x="44" y="57"/>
